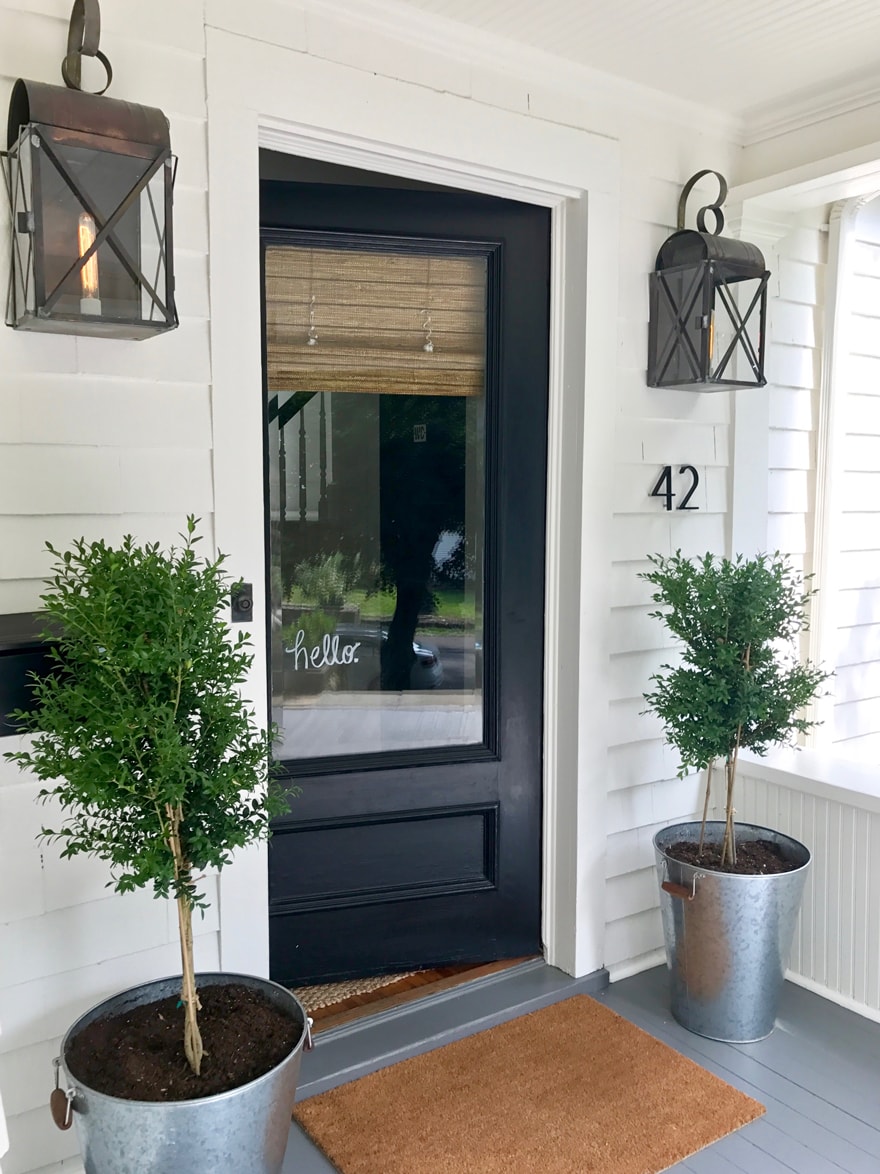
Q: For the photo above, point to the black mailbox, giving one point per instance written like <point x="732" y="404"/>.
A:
<point x="22" y="651"/>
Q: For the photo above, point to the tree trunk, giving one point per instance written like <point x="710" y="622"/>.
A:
<point x="192" y="1037"/>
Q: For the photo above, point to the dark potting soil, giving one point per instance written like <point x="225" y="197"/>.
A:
<point x="138" y="1054"/>
<point x="753" y="857"/>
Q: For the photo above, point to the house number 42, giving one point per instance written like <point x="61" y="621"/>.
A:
<point x="663" y="488"/>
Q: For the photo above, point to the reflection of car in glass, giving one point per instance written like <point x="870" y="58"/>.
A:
<point x="350" y="658"/>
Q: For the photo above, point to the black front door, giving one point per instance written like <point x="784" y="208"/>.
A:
<point x="406" y="367"/>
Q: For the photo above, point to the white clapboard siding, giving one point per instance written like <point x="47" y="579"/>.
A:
<point x="836" y="947"/>
<point x="853" y="725"/>
<point x="793" y="367"/>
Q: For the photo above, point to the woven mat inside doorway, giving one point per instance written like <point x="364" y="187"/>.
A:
<point x="570" y="1089"/>
<point x="325" y="994"/>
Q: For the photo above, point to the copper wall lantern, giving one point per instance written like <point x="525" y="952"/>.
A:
<point x="90" y="183"/>
<point x="708" y="306"/>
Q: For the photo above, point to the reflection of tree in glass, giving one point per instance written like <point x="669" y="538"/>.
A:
<point x="422" y="485"/>
<point x="326" y="579"/>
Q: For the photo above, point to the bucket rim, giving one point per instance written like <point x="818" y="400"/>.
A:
<point x="732" y="876"/>
<point x="221" y="978"/>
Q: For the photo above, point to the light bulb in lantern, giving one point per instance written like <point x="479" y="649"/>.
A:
<point x="90" y="302"/>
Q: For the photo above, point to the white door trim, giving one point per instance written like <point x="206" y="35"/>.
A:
<point x="265" y="95"/>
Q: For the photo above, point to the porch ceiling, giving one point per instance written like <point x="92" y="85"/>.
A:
<point x="753" y="59"/>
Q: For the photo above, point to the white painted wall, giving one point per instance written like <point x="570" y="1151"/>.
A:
<point x="98" y="438"/>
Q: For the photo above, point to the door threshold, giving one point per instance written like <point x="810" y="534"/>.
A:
<point x="365" y="1044"/>
<point x="394" y="992"/>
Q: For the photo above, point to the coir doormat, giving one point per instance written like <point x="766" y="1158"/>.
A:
<point x="570" y="1089"/>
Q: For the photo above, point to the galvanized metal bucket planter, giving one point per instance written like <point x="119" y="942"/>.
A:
<point x="728" y="937"/>
<point x="243" y="1131"/>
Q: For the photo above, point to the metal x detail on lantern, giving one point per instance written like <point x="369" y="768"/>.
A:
<point x="708" y="306"/>
<point x="90" y="182"/>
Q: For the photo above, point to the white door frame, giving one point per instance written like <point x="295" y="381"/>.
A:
<point x="262" y="95"/>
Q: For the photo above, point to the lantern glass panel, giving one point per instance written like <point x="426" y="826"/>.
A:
<point x="679" y="305"/>
<point x="734" y="339"/>
<point x="69" y="190"/>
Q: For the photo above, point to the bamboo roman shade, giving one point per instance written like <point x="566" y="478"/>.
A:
<point x="380" y="322"/>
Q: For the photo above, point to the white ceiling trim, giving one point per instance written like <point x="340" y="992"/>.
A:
<point x="804" y="109"/>
<point x="483" y="49"/>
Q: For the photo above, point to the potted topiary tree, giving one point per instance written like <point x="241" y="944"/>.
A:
<point x="159" y="769"/>
<point x="730" y="892"/>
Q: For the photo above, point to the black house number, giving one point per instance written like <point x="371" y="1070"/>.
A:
<point x="663" y="488"/>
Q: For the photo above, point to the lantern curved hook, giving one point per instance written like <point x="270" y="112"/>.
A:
<point x="83" y="38"/>
<point x="715" y="208"/>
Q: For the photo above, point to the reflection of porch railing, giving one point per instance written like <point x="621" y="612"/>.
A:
<point x="836" y="950"/>
<point x="283" y="414"/>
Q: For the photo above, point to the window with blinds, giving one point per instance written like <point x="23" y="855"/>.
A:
<point x="386" y="323"/>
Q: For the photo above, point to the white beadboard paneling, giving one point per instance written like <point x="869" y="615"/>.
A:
<point x="836" y="944"/>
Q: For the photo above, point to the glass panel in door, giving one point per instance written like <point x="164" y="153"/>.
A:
<point x="376" y="376"/>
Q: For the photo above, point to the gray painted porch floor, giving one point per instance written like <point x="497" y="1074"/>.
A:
<point x="818" y="1074"/>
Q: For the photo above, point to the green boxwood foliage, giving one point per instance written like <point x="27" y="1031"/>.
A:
<point x="157" y="764"/>
<point x="740" y="684"/>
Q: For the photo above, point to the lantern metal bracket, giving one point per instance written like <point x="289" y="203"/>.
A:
<point x="83" y="38"/>
<point x="715" y="208"/>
